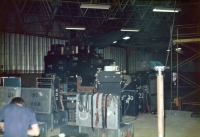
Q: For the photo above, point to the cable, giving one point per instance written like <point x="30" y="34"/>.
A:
<point x="147" y="101"/>
<point x="106" y="101"/>
<point x="171" y="32"/>
<point x="147" y="92"/>
<point x="126" y="109"/>
<point x="92" y="112"/>
<point x="152" y="99"/>
<point x="87" y="104"/>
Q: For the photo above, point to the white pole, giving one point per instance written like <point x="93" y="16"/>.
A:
<point x="160" y="101"/>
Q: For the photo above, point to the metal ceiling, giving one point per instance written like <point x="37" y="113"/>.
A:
<point x="49" y="17"/>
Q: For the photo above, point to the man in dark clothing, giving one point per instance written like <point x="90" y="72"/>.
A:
<point x="19" y="121"/>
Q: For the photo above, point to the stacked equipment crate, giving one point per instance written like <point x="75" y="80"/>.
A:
<point x="7" y="94"/>
<point x="68" y="61"/>
<point x="45" y="101"/>
<point x="104" y="119"/>
<point x="99" y="113"/>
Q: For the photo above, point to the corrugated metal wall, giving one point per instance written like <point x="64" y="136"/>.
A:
<point x="136" y="56"/>
<point x="118" y="54"/>
<point x="24" y="53"/>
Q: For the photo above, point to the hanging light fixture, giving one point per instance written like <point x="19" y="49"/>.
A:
<point x="75" y="28"/>
<point x="130" y="29"/>
<point x="127" y="37"/>
<point x="95" y="6"/>
<point x="162" y="9"/>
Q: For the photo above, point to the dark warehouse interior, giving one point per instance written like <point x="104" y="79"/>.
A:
<point x="103" y="68"/>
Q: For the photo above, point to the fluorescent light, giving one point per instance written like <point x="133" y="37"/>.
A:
<point x="95" y="6"/>
<point x="114" y="41"/>
<point x="127" y="37"/>
<point x="160" y="9"/>
<point x="112" y="18"/>
<point x="75" y="28"/>
<point x="130" y="29"/>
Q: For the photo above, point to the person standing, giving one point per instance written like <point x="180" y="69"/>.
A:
<point x="18" y="120"/>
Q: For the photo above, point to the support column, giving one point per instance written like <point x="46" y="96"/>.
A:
<point x="160" y="100"/>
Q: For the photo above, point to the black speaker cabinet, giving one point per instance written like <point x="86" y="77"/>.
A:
<point x="130" y="103"/>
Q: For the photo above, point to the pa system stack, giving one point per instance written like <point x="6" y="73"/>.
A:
<point x="99" y="113"/>
<point x="109" y="81"/>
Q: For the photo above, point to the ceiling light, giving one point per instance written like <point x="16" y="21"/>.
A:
<point x="75" y="28"/>
<point x="114" y="41"/>
<point x="127" y="37"/>
<point x="160" y="9"/>
<point x="130" y="29"/>
<point x="178" y="49"/>
<point x="95" y="6"/>
<point x="112" y="18"/>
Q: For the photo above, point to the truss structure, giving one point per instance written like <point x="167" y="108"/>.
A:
<point x="49" y="17"/>
<point x="187" y="37"/>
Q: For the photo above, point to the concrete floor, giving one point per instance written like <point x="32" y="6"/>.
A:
<point x="54" y="132"/>
<point x="177" y="124"/>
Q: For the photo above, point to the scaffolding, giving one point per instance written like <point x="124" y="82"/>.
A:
<point x="185" y="36"/>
